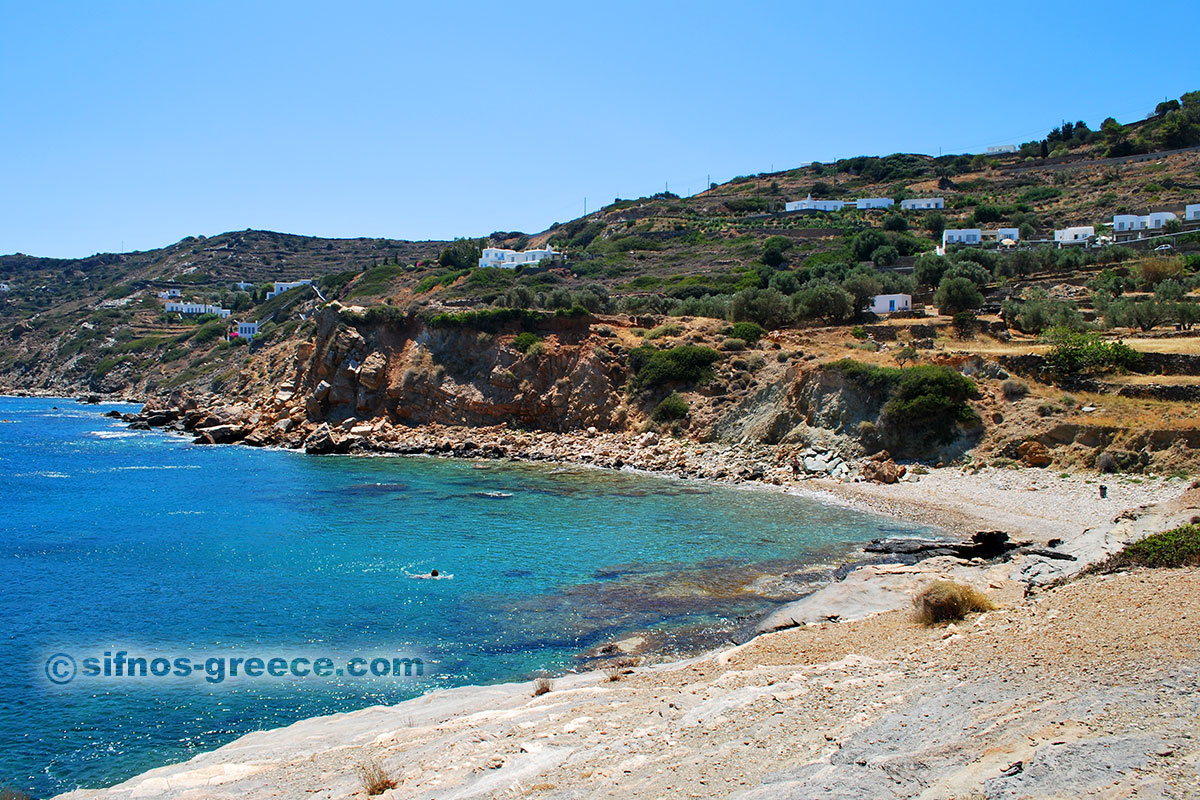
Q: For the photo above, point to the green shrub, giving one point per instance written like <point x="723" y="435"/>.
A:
<point x="957" y="294"/>
<point x="489" y="319"/>
<point x="672" y="407"/>
<point x="462" y="254"/>
<point x="525" y="340"/>
<point x="733" y="344"/>
<point x="667" y="329"/>
<point x="876" y="379"/>
<point x="931" y="397"/>
<point x="749" y="332"/>
<point x="208" y="332"/>
<point x="1179" y="547"/>
<point x="373" y="315"/>
<point x="685" y="363"/>
<point x="1074" y="353"/>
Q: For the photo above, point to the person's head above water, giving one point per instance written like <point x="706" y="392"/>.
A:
<point x="433" y="573"/>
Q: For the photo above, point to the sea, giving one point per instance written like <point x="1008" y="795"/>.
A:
<point x="119" y="544"/>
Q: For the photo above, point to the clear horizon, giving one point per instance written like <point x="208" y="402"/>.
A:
<point x="132" y="126"/>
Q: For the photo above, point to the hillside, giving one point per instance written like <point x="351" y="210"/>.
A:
<point x="655" y="284"/>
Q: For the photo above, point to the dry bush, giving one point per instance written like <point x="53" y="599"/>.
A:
<point x="541" y="686"/>
<point x="946" y="600"/>
<point x="374" y="778"/>
<point x="1014" y="389"/>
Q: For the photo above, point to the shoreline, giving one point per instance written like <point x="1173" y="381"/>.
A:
<point x="948" y="495"/>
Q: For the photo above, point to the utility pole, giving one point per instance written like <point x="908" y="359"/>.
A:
<point x="585" y="206"/>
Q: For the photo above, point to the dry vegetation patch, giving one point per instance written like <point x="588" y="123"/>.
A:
<point x="943" y="601"/>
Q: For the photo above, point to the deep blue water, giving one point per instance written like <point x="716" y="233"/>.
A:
<point x="119" y="540"/>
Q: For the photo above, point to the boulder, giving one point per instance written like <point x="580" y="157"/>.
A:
<point x="373" y="371"/>
<point x="322" y="390"/>
<point x="321" y="441"/>
<point x="284" y="425"/>
<point x="1034" y="454"/>
<point x="219" y="434"/>
<point x="312" y="407"/>
<point x="881" y="471"/>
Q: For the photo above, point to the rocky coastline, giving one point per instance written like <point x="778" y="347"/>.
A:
<point x="1055" y="528"/>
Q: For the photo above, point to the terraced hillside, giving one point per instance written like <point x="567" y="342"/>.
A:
<point x="663" y="272"/>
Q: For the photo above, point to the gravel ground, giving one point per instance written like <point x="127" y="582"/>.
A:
<point x="1028" y="503"/>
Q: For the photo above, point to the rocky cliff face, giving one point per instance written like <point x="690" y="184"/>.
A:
<point x="411" y="374"/>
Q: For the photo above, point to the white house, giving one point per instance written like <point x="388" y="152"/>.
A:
<point x="1008" y="233"/>
<point x="281" y="287"/>
<point x="170" y="293"/>
<point x="1157" y="219"/>
<point x="922" y="203"/>
<point x="4" y="288"/>
<point x="888" y="303"/>
<point x="1192" y="213"/>
<point x="245" y="330"/>
<point x="511" y="259"/>
<point x="1123" y="223"/>
<point x="1126" y="224"/>
<point x="961" y="236"/>
<point x="865" y="203"/>
<point x="1080" y="234"/>
<point x="808" y="204"/>
<point x="1001" y="149"/>
<point x="197" y="308"/>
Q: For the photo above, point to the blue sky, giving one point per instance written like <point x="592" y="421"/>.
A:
<point x="129" y="125"/>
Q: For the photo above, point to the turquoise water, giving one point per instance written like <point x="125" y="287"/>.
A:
<point x="113" y="539"/>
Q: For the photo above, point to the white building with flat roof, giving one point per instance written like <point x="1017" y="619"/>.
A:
<point x="922" y="203"/>
<point x="1158" y="219"/>
<point x="867" y="203"/>
<point x="283" y="286"/>
<point x="961" y="236"/>
<point x="808" y="204"/>
<point x="1080" y="234"/>
<point x="1126" y="225"/>
<point x="245" y="330"/>
<point x="189" y="308"/>
<point x="1001" y="149"/>
<point x="1192" y="213"/>
<point x="511" y="259"/>
<point x="890" y="303"/>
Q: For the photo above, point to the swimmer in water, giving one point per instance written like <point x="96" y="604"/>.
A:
<point x="433" y="573"/>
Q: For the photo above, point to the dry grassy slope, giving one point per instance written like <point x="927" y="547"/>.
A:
<point x="66" y="337"/>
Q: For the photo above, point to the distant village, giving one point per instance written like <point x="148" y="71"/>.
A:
<point x="238" y="329"/>
<point x="1126" y="227"/>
